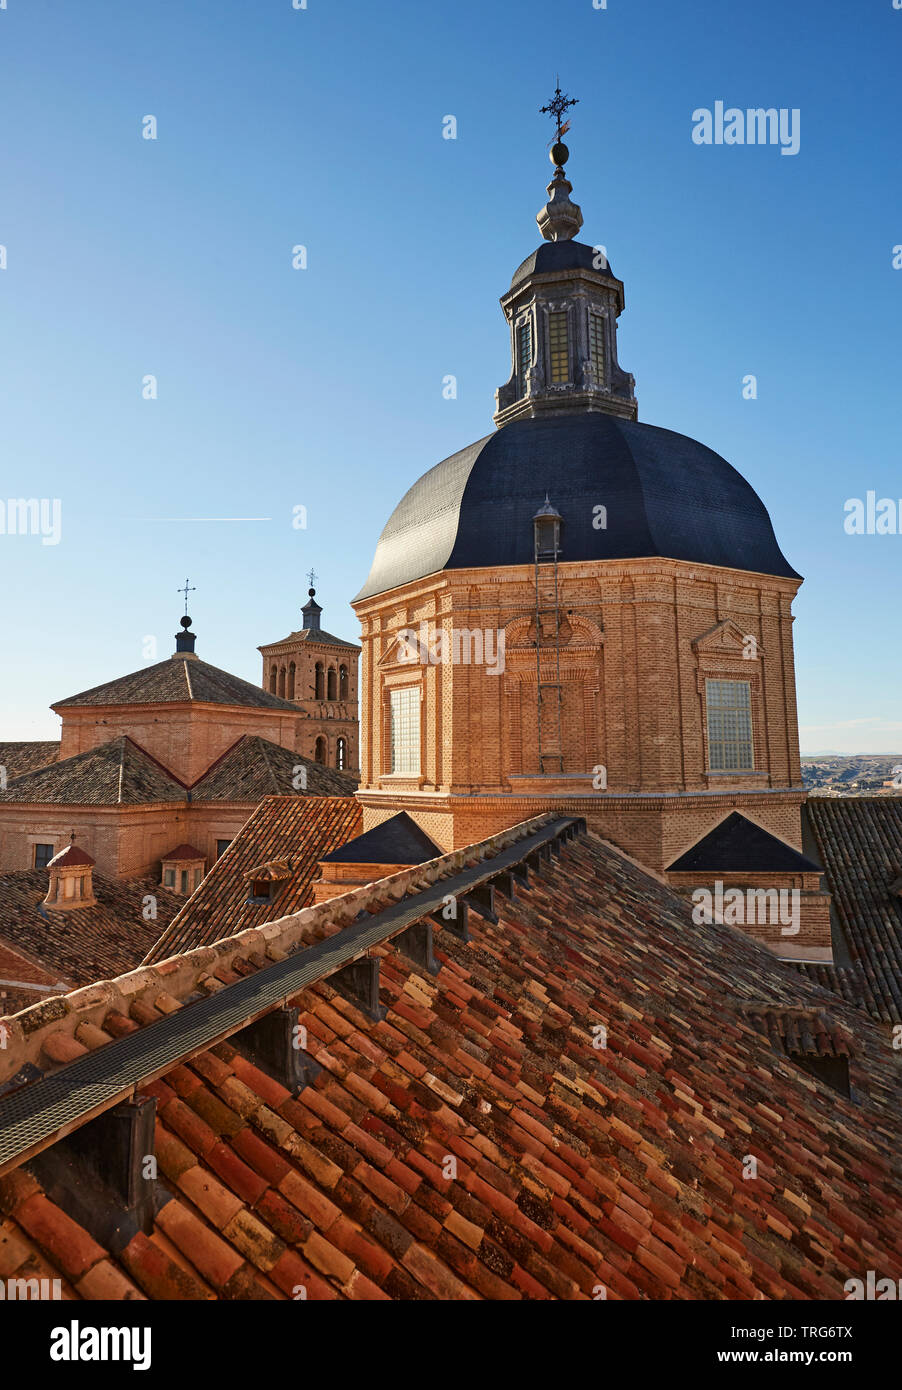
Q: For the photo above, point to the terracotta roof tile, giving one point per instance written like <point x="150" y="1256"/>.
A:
<point x="859" y="840"/>
<point x="79" y="946"/>
<point x="297" y="828"/>
<point x="177" y="680"/>
<point x="575" y="1166"/>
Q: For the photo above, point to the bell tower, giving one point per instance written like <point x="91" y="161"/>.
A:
<point x="318" y="672"/>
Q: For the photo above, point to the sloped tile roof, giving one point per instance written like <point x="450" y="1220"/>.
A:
<point x="255" y="767"/>
<point x="26" y="757"/>
<point x="86" y="943"/>
<point x="294" y="828"/>
<point x="806" y="1032"/>
<point x="176" y="680"/>
<point x="575" y="1164"/>
<point x="738" y="845"/>
<point x="115" y="773"/>
<point x="312" y="635"/>
<point x="860" y="844"/>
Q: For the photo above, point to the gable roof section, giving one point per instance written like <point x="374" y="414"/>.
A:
<point x="294" y="828"/>
<point x="255" y="767"/>
<point x="83" y="944"/>
<point x="114" y="773"/>
<point x="575" y="1164"/>
<point x="19" y="758"/>
<point x="860" y="843"/>
<point x="177" y="680"/>
<point x="737" y="845"/>
<point x="398" y="840"/>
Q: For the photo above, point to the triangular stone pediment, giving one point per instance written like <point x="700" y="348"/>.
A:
<point x="728" y="639"/>
<point x="405" y="648"/>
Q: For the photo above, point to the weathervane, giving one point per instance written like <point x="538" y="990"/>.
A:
<point x="556" y="108"/>
<point x="188" y="589"/>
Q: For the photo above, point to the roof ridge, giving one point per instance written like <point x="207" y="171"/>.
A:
<point x="145" y="753"/>
<point x="217" y="760"/>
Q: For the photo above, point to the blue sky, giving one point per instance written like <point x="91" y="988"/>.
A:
<point x="322" y="388"/>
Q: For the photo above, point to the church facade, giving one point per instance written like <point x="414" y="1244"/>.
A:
<point x="586" y="613"/>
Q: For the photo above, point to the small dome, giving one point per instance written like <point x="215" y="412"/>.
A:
<point x="666" y="495"/>
<point x="560" y="255"/>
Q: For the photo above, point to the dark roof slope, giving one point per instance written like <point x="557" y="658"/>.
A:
<point x="860" y="844"/>
<point x="314" y="635"/>
<point x="576" y="1165"/>
<point x="295" y="828"/>
<point x="115" y="773"/>
<point x="174" y="680"/>
<point x="19" y="758"/>
<point x="255" y="767"/>
<point x="398" y="840"/>
<point x="86" y="943"/>
<point x="738" y="845"/>
<point x="666" y="495"/>
<point x="559" y="255"/>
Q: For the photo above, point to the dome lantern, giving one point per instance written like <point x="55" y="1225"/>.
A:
<point x="562" y="308"/>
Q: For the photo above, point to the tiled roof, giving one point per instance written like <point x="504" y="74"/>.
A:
<point x="312" y="635"/>
<point x="295" y="828"/>
<point x="255" y="767"/>
<point x="25" y="757"/>
<point x="176" y="680"/>
<point x="738" y="845"/>
<point x="120" y="772"/>
<point x="183" y="851"/>
<point x="485" y="1140"/>
<point x="398" y="840"/>
<point x="860" y="844"/>
<point x="805" y="1032"/>
<point x="115" y="773"/>
<point x="87" y="943"/>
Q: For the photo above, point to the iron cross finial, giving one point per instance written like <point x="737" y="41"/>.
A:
<point x="556" y="107"/>
<point x="312" y="577"/>
<point x="188" y="589"/>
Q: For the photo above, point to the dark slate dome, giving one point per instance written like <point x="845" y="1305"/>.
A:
<point x="666" y="495"/>
<point x="559" y="255"/>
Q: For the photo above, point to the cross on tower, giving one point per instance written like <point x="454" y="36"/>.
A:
<point x="188" y="589"/>
<point x="556" y="108"/>
<point x="312" y="577"/>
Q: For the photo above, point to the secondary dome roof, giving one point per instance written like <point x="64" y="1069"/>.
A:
<point x="665" y="494"/>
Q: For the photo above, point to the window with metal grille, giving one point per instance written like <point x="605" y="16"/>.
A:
<point x="596" y="345"/>
<point x="524" y="352"/>
<point x="558" y="347"/>
<point x="729" y="707"/>
<point x="42" y="856"/>
<point x="405" y="729"/>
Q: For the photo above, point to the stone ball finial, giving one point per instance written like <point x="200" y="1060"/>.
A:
<point x="559" y="154"/>
<point x="185" y="622"/>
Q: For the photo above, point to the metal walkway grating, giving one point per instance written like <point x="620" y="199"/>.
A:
<point x="40" y="1113"/>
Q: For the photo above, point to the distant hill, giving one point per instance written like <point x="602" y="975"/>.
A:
<point x="850" y="773"/>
